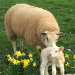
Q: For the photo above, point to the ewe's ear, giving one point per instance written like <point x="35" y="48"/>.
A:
<point x="61" y="48"/>
<point x="59" y="33"/>
<point x="43" y="33"/>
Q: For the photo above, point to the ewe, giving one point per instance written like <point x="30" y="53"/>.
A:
<point x="35" y="25"/>
<point x="54" y="56"/>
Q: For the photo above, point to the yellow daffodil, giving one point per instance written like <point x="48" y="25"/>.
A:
<point x="8" y="55"/>
<point x="22" y="61"/>
<point x="31" y="59"/>
<point x="25" y="62"/>
<point x="18" y="53"/>
<point x="23" y="54"/>
<point x="10" y="59"/>
<point x="67" y="64"/>
<point x="25" y="65"/>
<point x="34" y="64"/>
<point x="17" y="56"/>
<point x="28" y="61"/>
<point x="16" y="62"/>
<point x="74" y="57"/>
<point x="30" y="55"/>
<point x="66" y="56"/>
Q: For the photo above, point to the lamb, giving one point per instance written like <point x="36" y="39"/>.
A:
<point x="54" y="56"/>
<point x="35" y="25"/>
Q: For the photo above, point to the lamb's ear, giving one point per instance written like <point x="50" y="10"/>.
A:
<point x="61" y="48"/>
<point x="43" y="33"/>
<point x="40" y="50"/>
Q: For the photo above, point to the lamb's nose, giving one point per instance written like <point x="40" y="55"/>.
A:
<point x="50" y="54"/>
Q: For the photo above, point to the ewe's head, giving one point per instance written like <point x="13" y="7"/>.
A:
<point x="50" y="38"/>
<point x="54" y="52"/>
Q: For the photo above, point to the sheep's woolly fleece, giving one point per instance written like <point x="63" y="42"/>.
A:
<point x="28" y="22"/>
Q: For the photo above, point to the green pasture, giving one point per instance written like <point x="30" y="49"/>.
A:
<point x="64" y="12"/>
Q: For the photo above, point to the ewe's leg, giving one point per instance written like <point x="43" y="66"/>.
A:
<point x="12" y="36"/>
<point x="42" y="68"/>
<point x="53" y="69"/>
<point x="14" y="45"/>
<point x="21" y="44"/>
<point x="62" y="69"/>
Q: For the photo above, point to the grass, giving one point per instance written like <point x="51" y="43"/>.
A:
<point x="64" y="12"/>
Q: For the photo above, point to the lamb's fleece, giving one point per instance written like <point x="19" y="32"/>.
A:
<point x="54" y="56"/>
<point x="28" y="22"/>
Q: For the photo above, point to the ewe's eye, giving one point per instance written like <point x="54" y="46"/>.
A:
<point x="47" y="39"/>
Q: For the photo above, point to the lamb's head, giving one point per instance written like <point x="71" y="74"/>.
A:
<point x="55" y="51"/>
<point x="50" y="38"/>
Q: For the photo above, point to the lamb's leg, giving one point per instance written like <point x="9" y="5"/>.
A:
<point x="21" y="44"/>
<point x="42" y="68"/>
<point x="14" y="45"/>
<point x="46" y="70"/>
<point x="53" y="69"/>
<point x="62" y="69"/>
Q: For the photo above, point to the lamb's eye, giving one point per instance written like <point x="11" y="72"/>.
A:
<point x="55" y="51"/>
